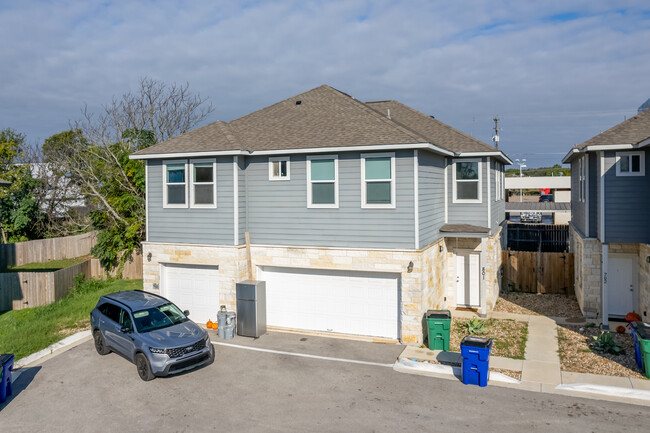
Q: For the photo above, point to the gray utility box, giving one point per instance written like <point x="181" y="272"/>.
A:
<point x="251" y="308"/>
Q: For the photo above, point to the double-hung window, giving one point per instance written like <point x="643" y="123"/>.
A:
<point x="203" y="191"/>
<point x="175" y="184"/>
<point x="467" y="181"/>
<point x="498" y="181"/>
<point x="582" y="179"/>
<point x="279" y="168"/>
<point x="322" y="181"/>
<point x="378" y="180"/>
<point x="630" y="163"/>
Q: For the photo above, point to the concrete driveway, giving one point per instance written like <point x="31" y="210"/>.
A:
<point x="257" y="386"/>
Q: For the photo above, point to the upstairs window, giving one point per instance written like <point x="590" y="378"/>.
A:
<point x="498" y="181"/>
<point x="378" y="180"/>
<point x="582" y="179"/>
<point x="630" y="163"/>
<point x="467" y="181"/>
<point x="279" y="168"/>
<point x="322" y="181"/>
<point x="203" y="190"/>
<point x="175" y="184"/>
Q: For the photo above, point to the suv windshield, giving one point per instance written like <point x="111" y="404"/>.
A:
<point x="158" y="317"/>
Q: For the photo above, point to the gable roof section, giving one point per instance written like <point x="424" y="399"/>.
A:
<point x="319" y="118"/>
<point x="629" y="134"/>
<point x="435" y="131"/>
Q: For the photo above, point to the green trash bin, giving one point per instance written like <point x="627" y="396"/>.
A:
<point x="643" y="337"/>
<point x="438" y="322"/>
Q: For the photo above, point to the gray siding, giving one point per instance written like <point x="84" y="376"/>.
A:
<point x="431" y="197"/>
<point x="187" y="225"/>
<point x="627" y="204"/>
<point x="278" y="213"/>
<point x="243" y="188"/>
<point x="468" y="213"/>
<point x="577" y="207"/>
<point x="498" y="208"/>
<point x="593" y="197"/>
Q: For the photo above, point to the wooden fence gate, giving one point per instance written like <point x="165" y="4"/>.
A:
<point x="537" y="272"/>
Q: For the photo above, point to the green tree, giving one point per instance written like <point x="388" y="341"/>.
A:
<point x="19" y="209"/>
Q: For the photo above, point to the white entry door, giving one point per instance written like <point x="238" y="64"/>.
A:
<point x="467" y="280"/>
<point x="622" y="281"/>
<point x="348" y="302"/>
<point x="194" y="288"/>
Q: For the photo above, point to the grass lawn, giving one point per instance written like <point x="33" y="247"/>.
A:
<point x="52" y="265"/>
<point x="23" y="332"/>
<point x="508" y="336"/>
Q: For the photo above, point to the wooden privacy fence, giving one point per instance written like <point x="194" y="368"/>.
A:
<point x="537" y="272"/>
<point x="43" y="250"/>
<point x="20" y="290"/>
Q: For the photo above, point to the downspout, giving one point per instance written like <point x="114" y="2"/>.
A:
<point x="482" y="279"/>
<point x="416" y="200"/>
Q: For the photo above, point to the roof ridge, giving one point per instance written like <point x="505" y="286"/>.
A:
<point x="622" y="125"/>
<point x="442" y="124"/>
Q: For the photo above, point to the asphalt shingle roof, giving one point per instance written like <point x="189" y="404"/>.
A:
<point x="321" y="117"/>
<point x="631" y="131"/>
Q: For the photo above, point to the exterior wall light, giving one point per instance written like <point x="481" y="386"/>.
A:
<point x="149" y="257"/>
<point x="409" y="268"/>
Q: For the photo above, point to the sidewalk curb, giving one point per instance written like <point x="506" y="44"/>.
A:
<point x="67" y="341"/>
<point x="612" y="391"/>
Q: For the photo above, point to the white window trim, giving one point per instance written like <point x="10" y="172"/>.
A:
<point x="365" y="205"/>
<point x="286" y="159"/>
<point x="335" y="205"/>
<point x="214" y="184"/>
<point x="165" y="184"/>
<point x="641" y="171"/>
<point x="581" y="179"/>
<point x="498" y="179"/>
<point x="480" y="181"/>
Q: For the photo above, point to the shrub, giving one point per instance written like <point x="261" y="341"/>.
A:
<point x="605" y="343"/>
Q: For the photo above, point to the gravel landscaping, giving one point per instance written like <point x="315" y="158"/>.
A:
<point x="539" y="304"/>
<point x="576" y="356"/>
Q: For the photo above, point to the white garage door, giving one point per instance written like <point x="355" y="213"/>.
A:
<point x="360" y="303"/>
<point x="194" y="288"/>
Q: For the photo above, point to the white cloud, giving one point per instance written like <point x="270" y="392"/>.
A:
<point x="556" y="72"/>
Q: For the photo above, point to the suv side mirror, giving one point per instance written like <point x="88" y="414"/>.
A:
<point x="186" y="312"/>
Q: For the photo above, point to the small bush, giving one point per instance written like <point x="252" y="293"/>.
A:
<point x="605" y="343"/>
<point x="475" y="326"/>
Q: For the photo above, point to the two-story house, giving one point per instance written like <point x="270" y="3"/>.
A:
<point x="610" y="220"/>
<point x="360" y="216"/>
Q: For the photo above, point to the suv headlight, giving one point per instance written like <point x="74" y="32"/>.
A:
<point x="159" y="351"/>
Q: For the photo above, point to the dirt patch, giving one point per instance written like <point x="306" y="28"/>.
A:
<point x="538" y="304"/>
<point x="81" y="325"/>
<point x="576" y="356"/>
<point x="508" y="336"/>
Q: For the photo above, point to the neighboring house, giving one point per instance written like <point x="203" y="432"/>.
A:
<point x="361" y="215"/>
<point x="559" y="186"/>
<point x="610" y="233"/>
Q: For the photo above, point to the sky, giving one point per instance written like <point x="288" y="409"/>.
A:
<point x="556" y="73"/>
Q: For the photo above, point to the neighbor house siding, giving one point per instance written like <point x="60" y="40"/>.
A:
<point x="468" y="213"/>
<point x="431" y="197"/>
<point x="498" y="207"/>
<point x="187" y="225"/>
<point x="626" y="204"/>
<point x="278" y="212"/>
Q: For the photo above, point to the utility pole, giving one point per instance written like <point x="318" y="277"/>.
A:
<point x="495" y="138"/>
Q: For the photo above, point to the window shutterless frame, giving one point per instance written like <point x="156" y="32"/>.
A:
<point x="630" y="163"/>
<point x="203" y="183"/>
<point x="279" y="168"/>
<point x="378" y="180"/>
<point x="175" y="183"/>
<point x="467" y="178"/>
<point x="322" y="181"/>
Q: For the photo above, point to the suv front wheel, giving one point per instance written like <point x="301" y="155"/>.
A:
<point x="100" y="344"/>
<point x="144" y="369"/>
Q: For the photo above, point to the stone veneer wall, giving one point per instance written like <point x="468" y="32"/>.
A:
<point x="644" y="282"/>
<point x="587" y="264"/>
<point x="427" y="286"/>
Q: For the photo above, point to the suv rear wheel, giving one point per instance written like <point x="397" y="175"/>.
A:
<point x="100" y="344"/>
<point x="144" y="369"/>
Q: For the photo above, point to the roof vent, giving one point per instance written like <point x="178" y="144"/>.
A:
<point x="298" y="102"/>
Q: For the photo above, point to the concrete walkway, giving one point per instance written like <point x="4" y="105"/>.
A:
<point x="540" y="371"/>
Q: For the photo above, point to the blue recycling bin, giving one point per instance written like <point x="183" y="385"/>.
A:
<point x="638" y="357"/>
<point x="475" y="364"/>
<point x="6" y="365"/>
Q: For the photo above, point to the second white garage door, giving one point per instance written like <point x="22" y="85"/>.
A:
<point x="194" y="288"/>
<point x="348" y="302"/>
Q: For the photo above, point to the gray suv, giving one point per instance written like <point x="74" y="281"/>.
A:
<point x="149" y="331"/>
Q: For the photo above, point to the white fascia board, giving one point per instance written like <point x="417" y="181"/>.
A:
<point x="609" y="147"/>
<point x="569" y="155"/>
<point x="427" y="146"/>
<point x="190" y="154"/>
<point x="644" y="142"/>
<point x="495" y="154"/>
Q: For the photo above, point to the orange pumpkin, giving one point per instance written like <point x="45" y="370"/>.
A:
<point x="209" y="324"/>
<point x="620" y="329"/>
<point x="215" y="325"/>
<point x="632" y="317"/>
